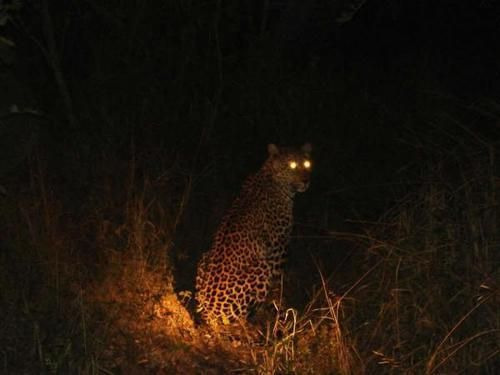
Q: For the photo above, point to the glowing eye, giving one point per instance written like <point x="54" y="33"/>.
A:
<point x="307" y="164"/>
<point x="293" y="165"/>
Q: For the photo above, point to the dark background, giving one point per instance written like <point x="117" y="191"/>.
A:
<point x="194" y="91"/>
<point x="127" y="127"/>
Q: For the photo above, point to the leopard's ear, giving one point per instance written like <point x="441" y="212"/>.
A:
<point x="272" y="149"/>
<point x="307" y="148"/>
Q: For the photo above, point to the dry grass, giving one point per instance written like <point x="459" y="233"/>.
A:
<point x="426" y="300"/>
<point x="429" y="305"/>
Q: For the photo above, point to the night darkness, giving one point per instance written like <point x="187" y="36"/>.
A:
<point x="126" y="131"/>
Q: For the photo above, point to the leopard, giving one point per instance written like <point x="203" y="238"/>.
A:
<point x="248" y="249"/>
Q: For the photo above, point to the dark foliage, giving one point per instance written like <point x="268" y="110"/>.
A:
<point x="110" y="110"/>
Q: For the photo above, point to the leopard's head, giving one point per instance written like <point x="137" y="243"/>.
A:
<point x="291" y="168"/>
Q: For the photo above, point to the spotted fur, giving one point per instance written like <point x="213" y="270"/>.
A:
<point x="249" y="247"/>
